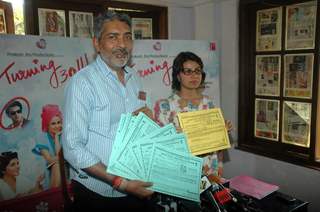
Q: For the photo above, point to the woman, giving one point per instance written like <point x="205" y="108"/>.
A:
<point x="188" y="80"/>
<point x="11" y="184"/>
<point x="49" y="147"/>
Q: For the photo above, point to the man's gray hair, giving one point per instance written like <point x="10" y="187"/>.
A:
<point x="108" y="16"/>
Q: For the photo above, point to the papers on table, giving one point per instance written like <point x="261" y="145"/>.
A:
<point x="144" y="151"/>
<point x="205" y="130"/>
<point x="252" y="187"/>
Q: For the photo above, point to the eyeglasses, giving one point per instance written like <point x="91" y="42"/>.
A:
<point x="188" y="71"/>
<point x="12" y="113"/>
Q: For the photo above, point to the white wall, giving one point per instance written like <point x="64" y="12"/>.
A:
<point x="181" y="23"/>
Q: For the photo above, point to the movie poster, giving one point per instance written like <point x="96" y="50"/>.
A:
<point x="33" y="73"/>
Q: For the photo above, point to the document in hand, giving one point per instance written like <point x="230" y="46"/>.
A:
<point x="144" y="151"/>
<point x="252" y="187"/>
<point x="205" y="130"/>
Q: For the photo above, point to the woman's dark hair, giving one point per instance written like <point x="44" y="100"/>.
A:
<point x="5" y="159"/>
<point x="177" y="67"/>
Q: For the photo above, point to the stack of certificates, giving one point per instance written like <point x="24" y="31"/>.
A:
<point x="145" y="151"/>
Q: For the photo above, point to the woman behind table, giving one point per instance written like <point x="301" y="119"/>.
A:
<point x="188" y="80"/>
<point x="49" y="146"/>
<point x="11" y="183"/>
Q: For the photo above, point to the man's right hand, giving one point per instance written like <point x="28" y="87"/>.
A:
<point x="137" y="188"/>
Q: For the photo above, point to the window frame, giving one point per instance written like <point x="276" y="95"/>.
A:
<point x="247" y="59"/>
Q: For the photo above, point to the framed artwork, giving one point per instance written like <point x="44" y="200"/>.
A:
<point x="301" y="26"/>
<point x="6" y="18"/>
<point x="81" y="24"/>
<point x="268" y="75"/>
<point x="296" y="123"/>
<point x="142" y="28"/>
<point x="52" y="22"/>
<point x="298" y="75"/>
<point x="266" y="124"/>
<point x="3" y="26"/>
<point x="268" y="29"/>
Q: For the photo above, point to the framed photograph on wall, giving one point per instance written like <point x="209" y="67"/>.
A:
<point x="301" y="26"/>
<point x="268" y="30"/>
<point x="81" y="24"/>
<point x="3" y="26"/>
<point x="268" y="75"/>
<point x="52" y="22"/>
<point x="142" y="28"/>
<point x="298" y="75"/>
<point x="266" y="123"/>
<point x="6" y="18"/>
<point x="296" y="123"/>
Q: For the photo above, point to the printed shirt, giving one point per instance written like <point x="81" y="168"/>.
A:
<point x="94" y="102"/>
<point x="166" y="112"/>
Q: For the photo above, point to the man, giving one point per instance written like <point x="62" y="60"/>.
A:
<point x="14" y="112"/>
<point x="95" y="98"/>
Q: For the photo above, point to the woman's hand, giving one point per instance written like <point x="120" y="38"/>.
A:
<point x="228" y="125"/>
<point x="57" y="145"/>
<point x="38" y="186"/>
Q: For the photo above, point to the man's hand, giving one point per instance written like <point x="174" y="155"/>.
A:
<point x="136" y="188"/>
<point x="144" y="110"/>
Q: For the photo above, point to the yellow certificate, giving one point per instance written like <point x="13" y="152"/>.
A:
<point x="205" y="130"/>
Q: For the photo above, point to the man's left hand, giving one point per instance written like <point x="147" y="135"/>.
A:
<point x="144" y="110"/>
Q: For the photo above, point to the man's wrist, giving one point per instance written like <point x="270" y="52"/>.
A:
<point x="119" y="183"/>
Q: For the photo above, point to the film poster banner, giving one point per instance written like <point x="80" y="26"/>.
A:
<point x="298" y="75"/>
<point x="268" y="75"/>
<point x="266" y="119"/>
<point x="296" y="123"/>
<point x="268" y="31"/>
<point x="301" y="25"/>
<point x="33" y="73"/>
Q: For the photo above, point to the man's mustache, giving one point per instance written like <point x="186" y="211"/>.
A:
<point x="121" y="51"/>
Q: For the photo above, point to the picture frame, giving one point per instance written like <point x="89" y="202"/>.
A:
<point x="268" y="29"/>
<point x="6" y="18"/>
<point x="266" y="122"/>
<point x="3" y="26"/>
<point x="142" y="28"/>
<point x="52" y="22"/>
<point x="301" y="26"/>
<point x="296" y="123"/>
<point x="298" y="75"/>
<point x="81" y="24"/>
<point x="268" y="74"/>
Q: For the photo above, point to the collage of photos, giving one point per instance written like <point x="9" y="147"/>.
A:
<point x="30" y="155"/>
<point x="282" y="77"/>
